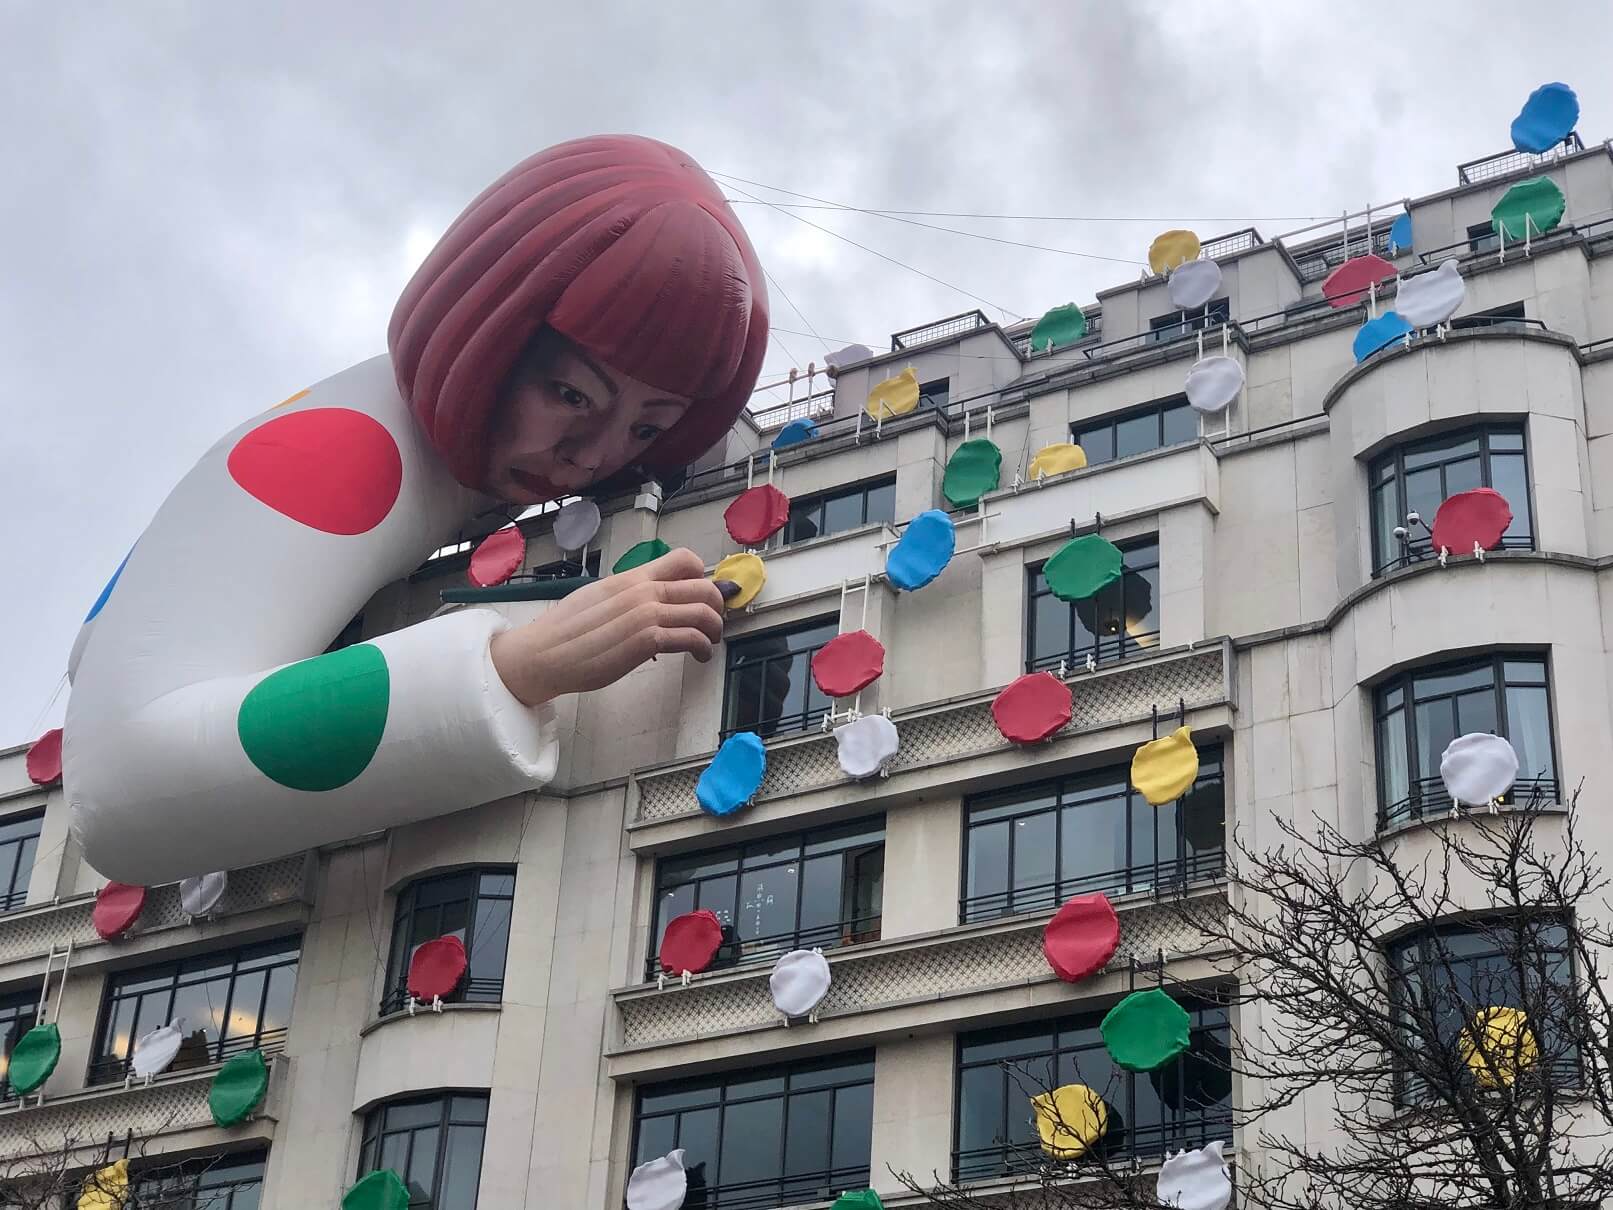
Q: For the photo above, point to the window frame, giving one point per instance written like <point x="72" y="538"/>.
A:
<point x="373" y="1131"/>
<point x="23" y="860"/>
<point x="1426" y="793"/>
<point x="1194" y="1128"/>
<point x="1482" y="237"/>
<point x="840" y="933"/>
<point x="1481" y="927"/>
<point x="19" y="1012"/>
<point x="149" y="1187"/>
<point x="1178" y="324"/>
<point x="1106" y="649"/>
<point x="1182" y="870"/>
<point x="809" y="716"/>
<point x="928" y="392"/>
<point x="819" y="501"/>
<point x="396" y="994"/>
<point x="1157" y="408"/>
<point x="762" y="1194"/>
<point x="1394" y="458"/>
<point x="105" y="1068"/>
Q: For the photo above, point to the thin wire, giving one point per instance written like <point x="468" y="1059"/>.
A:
<point x="1119" y="260"/>
<point x="1035" y="218"/>
<point x="40" y="717"/>
<point x="773" y="281"/>
<point x="900" y="264"/>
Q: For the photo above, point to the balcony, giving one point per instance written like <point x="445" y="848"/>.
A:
<point x="28" y="934"/>
<point x="958" y="730"/>
<point x="168" y="1115"/>
<point x="1509" y="163"/>
<point x="905" y="973"/>
<point x="808" y="407"/>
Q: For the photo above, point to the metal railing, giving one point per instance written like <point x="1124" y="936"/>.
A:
<point x="1110" y="649"/>
<point x="1161" y="873"/>
<point x="808" y="407"/>
<point x="796" y="1189"/>
<point x="1317" y="260"/>
<point x="200" y="1054"/>
<point x="1421" y="548"/>
<point x="952" y="325"/>
<point x="1428" y="796"/>
<point x="743" y="951"/>
<point x="1192" y="1129"/>
<point x="471" y="991"/>
<point x="1226" y="245"/>
<point x="1505" y="163"/>
<point x="1022" y="342"/>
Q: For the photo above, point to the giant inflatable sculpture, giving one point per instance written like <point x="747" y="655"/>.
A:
<point x="598" y="309"/>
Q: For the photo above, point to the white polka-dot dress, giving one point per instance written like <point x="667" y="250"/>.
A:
<point x="206" y="732"/>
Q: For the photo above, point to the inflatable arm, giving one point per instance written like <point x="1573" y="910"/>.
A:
<point x="205" y="731"/>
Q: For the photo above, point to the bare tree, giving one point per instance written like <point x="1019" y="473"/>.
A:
<point x="1423" y="1024"/>
<point x="63" y="1175"/>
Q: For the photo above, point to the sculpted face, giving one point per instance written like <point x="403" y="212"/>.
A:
<point x="565" y="420"/>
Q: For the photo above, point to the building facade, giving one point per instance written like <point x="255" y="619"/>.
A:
<point x="1321" y="659"/>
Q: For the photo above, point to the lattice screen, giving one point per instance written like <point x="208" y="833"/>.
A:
<point x="1107" y="698"/>
<point x="942" y="968"/>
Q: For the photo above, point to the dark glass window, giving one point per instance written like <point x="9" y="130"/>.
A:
<point x="839" y="510"/>
<point x="1418" y="713"/>
<point x="1511" y="313"/>
<point x="1481" y="237"/>
<point x="562" y="569"/>
<point x="757" y="1139"/>
<point x="1418" y="477"/>
<point x="473" y="905"/>
<point x="1176" y="324"/>
<point x="18" y="1014"/>
<point x="811" y="890"/>
<point x="230" y="1001"/>
<point x="434" y="1143"/>
<point x="19" y="841"/>
<point x="1122" y="620"/>
<point x="1186" y="1103"/>
<point x="1168" y="422"/>
<point x="1446" y="975"/>
<point x="935" y="394"/>
<point x="769" y="687"/>
<point x="1030" y="848"/>
<point x="220" y="1182"/>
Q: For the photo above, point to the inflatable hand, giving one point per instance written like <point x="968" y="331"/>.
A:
<point x="596" y="311"/>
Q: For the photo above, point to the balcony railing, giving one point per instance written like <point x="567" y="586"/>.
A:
<point x="796" y="1189"/>
<point x="1190" y="1129"/>
<point x="1428" y="797"/>
<point x="471" y="991"/>
<point x="744" y="951"/>
<point x="1109" y="649"/>
<point x="201" y="1054"/>
<point x="1421" y="549"/>
<point x="1318" y="260"/>
<point x="1163" y="873"/>
<point x="953" y="325"/>
<point x="1506" y="163"/>
<point x="808" y="407"/>
<point x="1226" y="245"/>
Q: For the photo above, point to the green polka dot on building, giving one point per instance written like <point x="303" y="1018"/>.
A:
<point x="315" y="725"/>
<point x="644" y="552"/>
<point x="1146" y="1030"/>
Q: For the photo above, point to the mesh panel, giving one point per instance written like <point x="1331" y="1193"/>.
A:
<point x="31" y="932"/>
<point x="1112" y="696"/>
<point x="940" y="969"/>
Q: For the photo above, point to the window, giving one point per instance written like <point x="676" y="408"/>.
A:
<point x="935" y="394"/>
<point x="769" y="687"/>
<point x="1168" y="422"/>
<point x="758" y="1139"/>
<point x="221" y="1182"/>
<point x="562" y="569"/>
<point x="1419" y="712"/>
<point x="18" y="1014"/>
<point x="1511" y="313"/>
<point x="434" y="1143"/>
<point x="229" y="1002"/>
<point x="1030" y="848"/>
<point x="1418" y="477"/>
<point x="839" y="510"/>
<point x="1177" y="324"/>
<point x="1120" y="621"/>
<point x="1481" y="237"/>
<point x="807" y="890"/>
<point x="19" y="840"/>
<point x="473" y="905"/>
<point x="1184" y="1104"/>
<point x="1445" y="975"/>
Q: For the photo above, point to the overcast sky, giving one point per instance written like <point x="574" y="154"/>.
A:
<point x="205" y="207"/>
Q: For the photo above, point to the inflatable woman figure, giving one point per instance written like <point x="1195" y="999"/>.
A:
<point x="597" y="309"/>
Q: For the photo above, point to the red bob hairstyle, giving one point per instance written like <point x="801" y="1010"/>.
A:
<point x="623" y="246"/>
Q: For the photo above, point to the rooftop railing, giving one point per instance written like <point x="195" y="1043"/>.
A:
<point x="808" y="407"/>
<point x="953" y="325"/>
<point x="1506" y="163"/>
